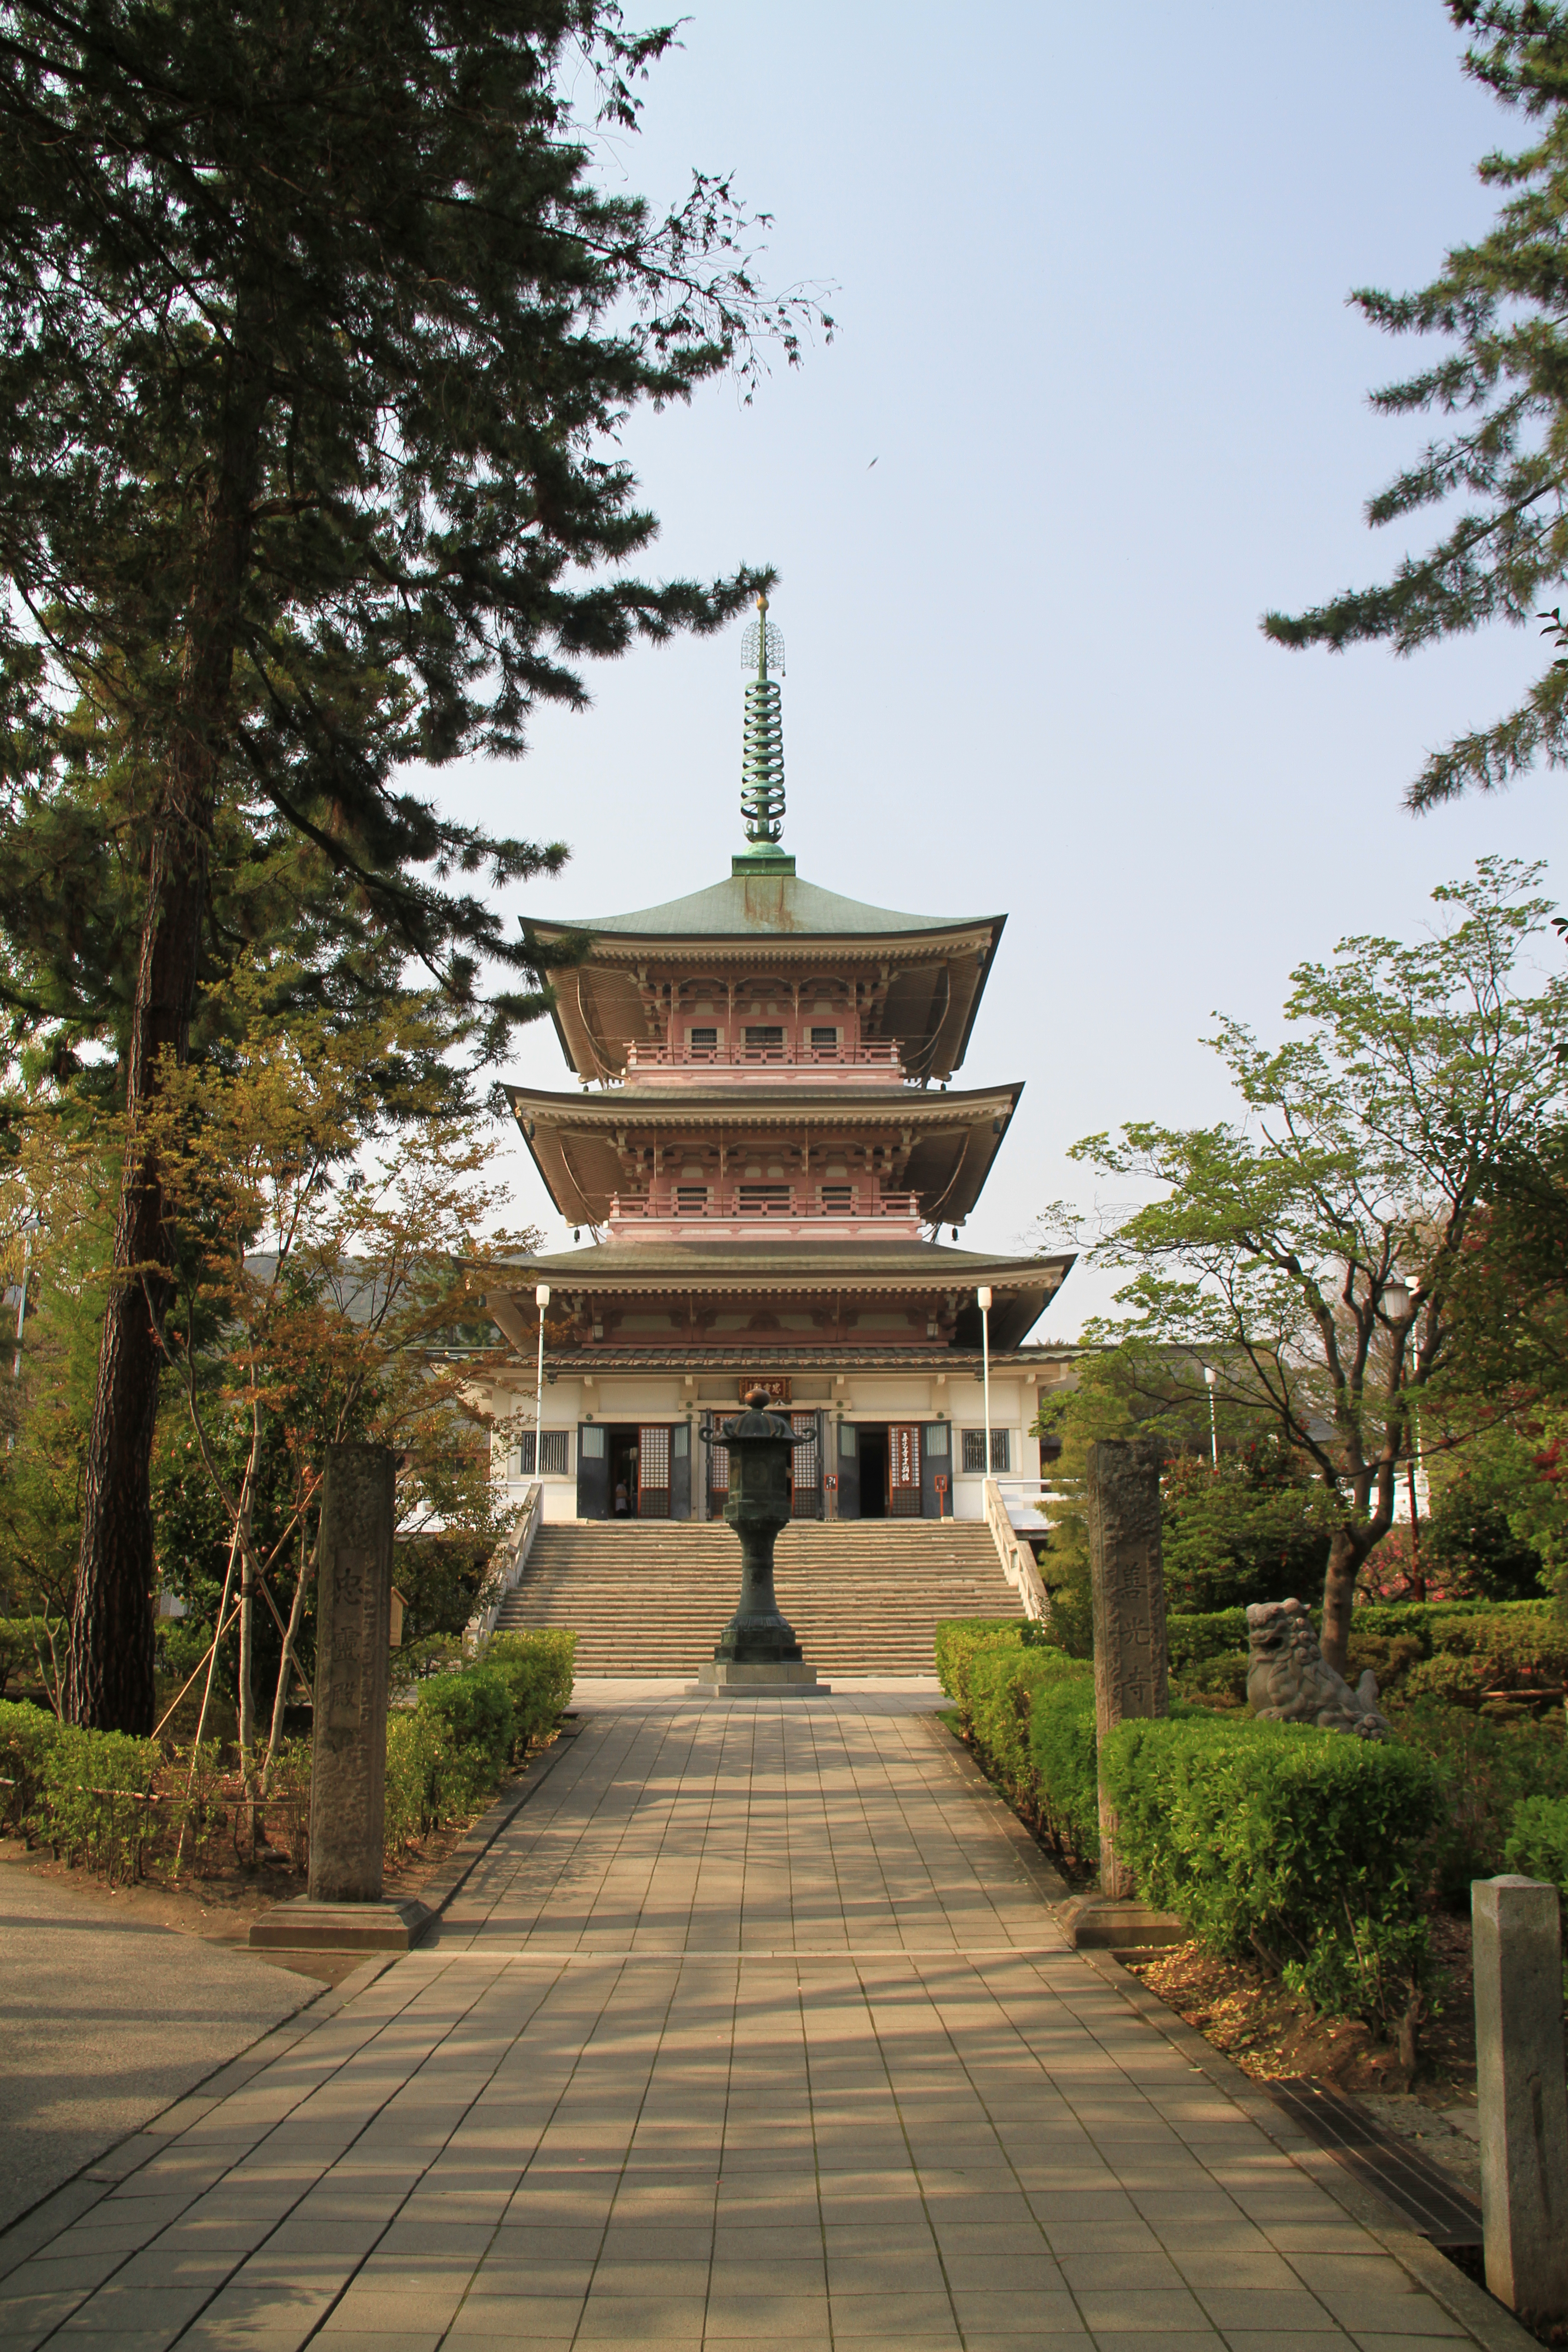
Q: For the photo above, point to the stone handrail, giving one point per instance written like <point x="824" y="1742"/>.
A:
<point x="513" y="1557"/>
<point x="1018" y="1560"/>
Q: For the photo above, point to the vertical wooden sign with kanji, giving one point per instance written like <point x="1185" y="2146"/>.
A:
<point x="353" y="1630"/>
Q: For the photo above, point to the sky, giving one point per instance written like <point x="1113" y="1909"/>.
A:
<point x="1095" y="400"/>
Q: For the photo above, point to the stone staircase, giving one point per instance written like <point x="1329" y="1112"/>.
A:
<point x="865" y="1597"/>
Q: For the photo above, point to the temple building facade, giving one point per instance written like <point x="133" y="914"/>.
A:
<point x="764" y="1143"/>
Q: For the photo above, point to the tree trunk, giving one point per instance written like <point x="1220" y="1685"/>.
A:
<point x="1345" y="1557"/>
<point x="109" y="1683"/>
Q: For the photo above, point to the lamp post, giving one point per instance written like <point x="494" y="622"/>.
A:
<point x="983" y="1300"/>
<point x="541" y="1300"/>
<point x="1210" y="1377"/>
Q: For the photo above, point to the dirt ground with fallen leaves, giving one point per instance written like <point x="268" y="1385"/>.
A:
<point x="1268" y="2033"/>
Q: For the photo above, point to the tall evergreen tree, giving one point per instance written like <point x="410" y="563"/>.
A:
<point x="1500" y="385"/>
<point x="316" y="339"/>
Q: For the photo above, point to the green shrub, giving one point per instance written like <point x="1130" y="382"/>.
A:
<point x="477" y="1721"/>
<point x="1209" y="1633"/>
<point x="1062" y="1749"/>
<point x="1216" y="1682"/>
<point x="1032" y="1725"/>
<point x="85" y="1804"/>
<point x="27" y="1735"/>
<point x="537" y="1669"/>
<point x="1304" y="1846"/>
<point x="1485" y="1771"/>
<point x="418" y="1750"/>
<point x="960" y="1639"/>
<point x="1537" y="1841"/>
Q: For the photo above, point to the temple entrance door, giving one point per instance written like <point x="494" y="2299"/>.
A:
<point x="593" y="1471"/>
<point x="846" y="1462"/>
<point x="806" y="1467"/>
<point x="681" y="1471"/>
<point x="623" y="1491"/>
<point x="873" y="1472"/>
<point x="653" y="1471"/>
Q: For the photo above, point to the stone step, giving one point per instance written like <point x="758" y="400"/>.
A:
<point x="652" y="1596"/>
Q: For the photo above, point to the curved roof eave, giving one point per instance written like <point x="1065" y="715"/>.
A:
<point x="744" y="907"/>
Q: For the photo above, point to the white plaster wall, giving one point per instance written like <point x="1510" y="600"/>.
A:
<point x="874" y="1397"/>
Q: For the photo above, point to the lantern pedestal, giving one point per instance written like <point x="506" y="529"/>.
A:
<point x="758" y="1678"/>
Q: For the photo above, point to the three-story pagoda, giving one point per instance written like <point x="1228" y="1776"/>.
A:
<point x="764" y="1147"/>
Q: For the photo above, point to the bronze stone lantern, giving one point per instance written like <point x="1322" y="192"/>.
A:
<point x="757" y="1652"/>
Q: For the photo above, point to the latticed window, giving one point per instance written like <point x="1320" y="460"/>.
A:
<point x="838" y="1200"/>
<point x="717" y="1469"/>
<point x="553" y="1454"/>
<point x="702" y="1041"/>
<point x="975" y="1452"/>
<point x="764" y="1039"/>
<point x="824" y="1040"/>
<point x="690" y="1200"/>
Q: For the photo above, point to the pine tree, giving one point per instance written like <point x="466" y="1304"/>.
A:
<point x="316" y="339"/>
<point x="1502" y="387"/>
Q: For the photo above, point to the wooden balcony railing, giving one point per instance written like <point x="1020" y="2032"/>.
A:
<point x="768" y="1201"/>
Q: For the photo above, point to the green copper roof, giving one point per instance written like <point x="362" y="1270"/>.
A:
<point x="758" y="904"/>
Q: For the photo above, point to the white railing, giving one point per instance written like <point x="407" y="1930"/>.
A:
<point x="1017" y="1560"/>
<point x="511" y="1560"/>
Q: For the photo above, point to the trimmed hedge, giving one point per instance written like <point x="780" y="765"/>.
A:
<point x="1304" y="1846"/>
<point x="537" y="1669"/>
<point x="1311" y="1849"/>
<point x="444" y="1755"/>
<point x="960" y="1640"/>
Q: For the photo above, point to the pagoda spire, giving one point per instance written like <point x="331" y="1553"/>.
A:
<point x="762" y="757"/>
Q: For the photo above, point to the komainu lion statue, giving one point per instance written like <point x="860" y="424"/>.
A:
<point x="1289" y="1680"/>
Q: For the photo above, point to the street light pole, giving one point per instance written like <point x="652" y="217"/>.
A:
<point x="541" y="1300"/>
<point x="983" y="1300"/>
<point x="1210" y="1377"/>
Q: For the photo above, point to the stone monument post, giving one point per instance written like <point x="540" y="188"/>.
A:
<point x="1521" y="2102"/>
<point x="343" y="1909"/>
<point x="353" y="1638"/>
<point x="1131" y="1673"/>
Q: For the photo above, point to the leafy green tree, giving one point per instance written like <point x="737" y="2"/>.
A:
<point x="1257" y="1527"/>
<point x="1500" y="387"/>
<point x="317" y="336"/>
<point x="1309" y="1252"/>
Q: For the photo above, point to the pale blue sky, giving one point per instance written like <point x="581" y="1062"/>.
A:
<point x="1089" y="268"/>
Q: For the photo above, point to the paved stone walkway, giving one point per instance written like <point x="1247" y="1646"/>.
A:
<point x="751" y="2029"/>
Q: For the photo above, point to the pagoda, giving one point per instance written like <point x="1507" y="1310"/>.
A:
<point x="765" y="1146"/>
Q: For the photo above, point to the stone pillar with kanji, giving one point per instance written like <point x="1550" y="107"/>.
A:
<point x="1128" y="1590"/>
<point x="354" y="1613"/>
